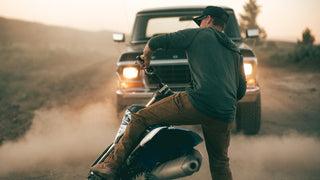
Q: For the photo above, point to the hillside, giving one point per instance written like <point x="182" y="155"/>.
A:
<point x="289" y="54"/>
<point x="43" y="66"/>
<point x="17" y="31"/>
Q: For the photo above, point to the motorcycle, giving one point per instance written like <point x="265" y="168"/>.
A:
<point x="164" y="152"/>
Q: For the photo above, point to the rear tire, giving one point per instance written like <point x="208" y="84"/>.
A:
<point x="249" y="117"/>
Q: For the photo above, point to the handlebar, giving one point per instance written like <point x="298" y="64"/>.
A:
<point x="163" y="91"/>
<point x="150" y="72"/>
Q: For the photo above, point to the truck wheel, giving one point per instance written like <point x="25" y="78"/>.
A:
<point x="249" y="117"/>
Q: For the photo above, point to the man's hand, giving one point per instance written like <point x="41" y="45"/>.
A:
<point x="145" y="63"/>
<point x="146" y="57"/>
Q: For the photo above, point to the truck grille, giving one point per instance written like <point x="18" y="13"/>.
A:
<point x="172" y="74"/>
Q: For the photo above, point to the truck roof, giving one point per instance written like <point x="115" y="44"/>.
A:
<point x="178" y="9"/>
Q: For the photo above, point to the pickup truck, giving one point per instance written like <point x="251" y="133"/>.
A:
<point x="172" y="64"/>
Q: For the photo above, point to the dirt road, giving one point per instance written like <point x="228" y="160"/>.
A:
<point x="291" y="101"/>
<point x="287" y="146"/>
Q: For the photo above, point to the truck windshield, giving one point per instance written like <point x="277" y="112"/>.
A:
<point x="163" y="25"/>
<point x="147" y="26"/>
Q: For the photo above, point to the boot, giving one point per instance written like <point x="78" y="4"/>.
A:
<point x="105" y="171"/>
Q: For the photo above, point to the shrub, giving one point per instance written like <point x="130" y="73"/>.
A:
<point x="306" y="54"/>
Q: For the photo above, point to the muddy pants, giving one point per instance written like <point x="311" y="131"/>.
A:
<point x="177" y="110"/>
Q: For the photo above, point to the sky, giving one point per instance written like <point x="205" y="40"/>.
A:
<point x="282" y="19"/>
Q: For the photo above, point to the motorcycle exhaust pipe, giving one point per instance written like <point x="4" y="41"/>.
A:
<point x="179" y="167"/>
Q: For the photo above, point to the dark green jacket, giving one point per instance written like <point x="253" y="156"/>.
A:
<point x="216" y="67"/>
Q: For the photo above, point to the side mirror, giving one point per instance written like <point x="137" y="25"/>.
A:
<point x="252" y="33"/>
<point x="118" y="37"/>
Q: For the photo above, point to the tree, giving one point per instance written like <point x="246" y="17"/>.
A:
<point x="307" y="38"/>
<point x="249" y="18"/>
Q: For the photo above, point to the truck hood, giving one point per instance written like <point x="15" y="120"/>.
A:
<point x="223" y="39"/>
<point x="136" y="48"/>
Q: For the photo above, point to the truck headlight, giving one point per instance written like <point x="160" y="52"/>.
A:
<point x="130" y="72"/>
<point x="247" y="68"/>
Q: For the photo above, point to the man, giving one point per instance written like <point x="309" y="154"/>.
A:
<point x="218" y="82"/>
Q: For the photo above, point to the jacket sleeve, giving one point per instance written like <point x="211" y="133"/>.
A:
<point x="242" y="85"/>
<point x="177" y="40"/>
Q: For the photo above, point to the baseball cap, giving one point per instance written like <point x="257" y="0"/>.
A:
<point x="213" y="11"/>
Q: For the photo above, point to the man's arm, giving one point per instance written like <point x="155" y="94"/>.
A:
<point x="176" y="40"/>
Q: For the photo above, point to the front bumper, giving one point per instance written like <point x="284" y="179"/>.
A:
<point x="126" y="99"/>
<point x="251" y="95"/>
<point x="129" y="98"/>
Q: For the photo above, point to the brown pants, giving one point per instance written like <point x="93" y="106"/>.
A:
<point x="177" y="110"/>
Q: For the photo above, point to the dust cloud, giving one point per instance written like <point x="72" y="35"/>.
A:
<point x="292" y="156"/>
<point x="59" y="136"/>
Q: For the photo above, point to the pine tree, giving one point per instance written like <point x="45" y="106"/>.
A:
<point x="249" y="18"/>
<point x="307" y="37"/>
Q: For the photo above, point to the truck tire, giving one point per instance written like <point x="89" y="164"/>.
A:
<point x="248" y="117"/>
